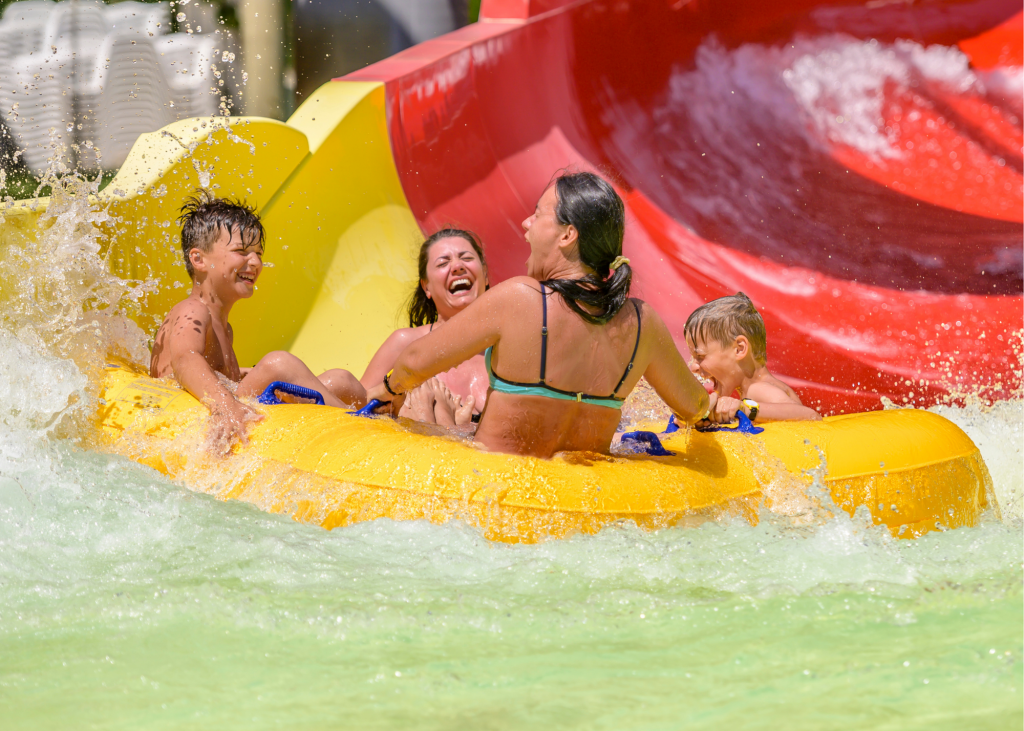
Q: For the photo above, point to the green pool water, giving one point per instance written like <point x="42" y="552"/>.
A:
<point x="127" y="601"/>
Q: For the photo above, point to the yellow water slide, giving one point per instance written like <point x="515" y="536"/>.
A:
<point x="342" y="242"/>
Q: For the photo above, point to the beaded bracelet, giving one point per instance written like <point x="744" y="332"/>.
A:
<point x="387" y="386"/>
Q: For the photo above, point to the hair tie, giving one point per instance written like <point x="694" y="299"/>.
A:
<point x="619" y="261"/>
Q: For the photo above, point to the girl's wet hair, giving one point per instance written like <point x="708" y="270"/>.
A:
<point x="595" y="210"/>
<point x="422" y="309"/>
<point x="204" y="215"/>
<point x="725" y="319"/>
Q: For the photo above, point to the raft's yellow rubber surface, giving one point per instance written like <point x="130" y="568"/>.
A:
<point x="914" y="470"/>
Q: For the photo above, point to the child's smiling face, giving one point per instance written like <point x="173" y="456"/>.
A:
<point x="715" y="362"/>
<point x="232" y="264"/>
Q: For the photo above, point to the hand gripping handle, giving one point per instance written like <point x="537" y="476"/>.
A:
<point x="745" y="426"/>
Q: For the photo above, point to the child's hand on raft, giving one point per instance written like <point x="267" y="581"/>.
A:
<point x="229" y="423"/>
<point x="722" y="411"/>
<point x="724" y="408"/>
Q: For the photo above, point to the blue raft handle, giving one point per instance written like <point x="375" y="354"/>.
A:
<point x="369" y="408"/>
<point x="646" y="442"/>
<point x="745" y="426"/>
<point x="269" y="397"/>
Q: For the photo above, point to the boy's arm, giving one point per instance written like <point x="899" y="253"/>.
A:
<point x="186" y="345"/>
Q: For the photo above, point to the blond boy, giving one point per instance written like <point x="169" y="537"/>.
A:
<point x="727" y="343"/>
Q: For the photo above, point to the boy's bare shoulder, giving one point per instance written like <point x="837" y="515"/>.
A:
<point x="190" y="313"/>
<point x="187" y="321"/>
<point x="772" y="391"/>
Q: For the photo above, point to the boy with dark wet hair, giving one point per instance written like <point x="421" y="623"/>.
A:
<point x="728" y="346"/>
<point x="222" y="242"/>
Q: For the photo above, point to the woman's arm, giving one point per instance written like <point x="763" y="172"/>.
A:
<point x="668" y="373"/>
<point x="384" y="359"/>
<point x="467" y="334"/>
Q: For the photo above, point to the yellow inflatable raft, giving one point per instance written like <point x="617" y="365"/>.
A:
<point x="914" y="471"/>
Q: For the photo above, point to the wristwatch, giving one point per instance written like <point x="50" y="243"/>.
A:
<point x="752" y="405"/>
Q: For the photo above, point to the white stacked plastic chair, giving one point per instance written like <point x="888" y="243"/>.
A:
<point x="37" y="88"/>
<point x="125" y="96"/>
<point x="21" y="32"/>
<point x="35" y="99"/>
<point x="149" y="19"/>
<point x="131" y="76"/>
<point x="188" y="63"/>
<point x="21" y="29"/>
<point x="75" y="21"/>
<point x="125" y="93"/>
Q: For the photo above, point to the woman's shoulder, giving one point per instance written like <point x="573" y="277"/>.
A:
<point x="510" y="289"/>
<point x="651" y="323"/>
<point x="518" y="283"/>
<point x="635" y="304"/>
<point x="405" y="335"/>
<point x="413" y="333"/>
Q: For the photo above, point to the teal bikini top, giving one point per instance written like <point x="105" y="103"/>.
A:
<point x="541" y="388"/>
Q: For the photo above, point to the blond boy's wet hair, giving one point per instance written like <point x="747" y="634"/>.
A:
<point x="725" y="319"/>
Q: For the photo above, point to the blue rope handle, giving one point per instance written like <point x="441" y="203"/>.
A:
<point x="646" y="442"/>
<point x="269" y="397"/>
<point x="745" y="426"/>
<point x="369" y="408"/>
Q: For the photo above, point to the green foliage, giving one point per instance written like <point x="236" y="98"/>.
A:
<point x="22" y="184"/>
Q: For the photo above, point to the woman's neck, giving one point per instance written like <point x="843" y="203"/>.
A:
<point x="441" y="319"/>
<point x="565" y="269"/>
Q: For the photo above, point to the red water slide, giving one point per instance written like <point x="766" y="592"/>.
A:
<point x="855" y="167"/>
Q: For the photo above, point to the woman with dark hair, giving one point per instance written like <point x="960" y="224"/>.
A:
<point x="452" y="274"/>
<point x="564" y="345"/>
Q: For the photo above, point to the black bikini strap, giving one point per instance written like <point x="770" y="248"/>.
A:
<point x="636" y="346"/>
<point x="543" y="334"/>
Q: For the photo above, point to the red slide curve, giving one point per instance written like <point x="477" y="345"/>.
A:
<point x="854" y="167"/>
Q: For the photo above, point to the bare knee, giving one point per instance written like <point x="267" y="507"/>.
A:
<point x="277" y="364"/>
<point x="344" y="385"/>
<point x="339" y="377"/>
